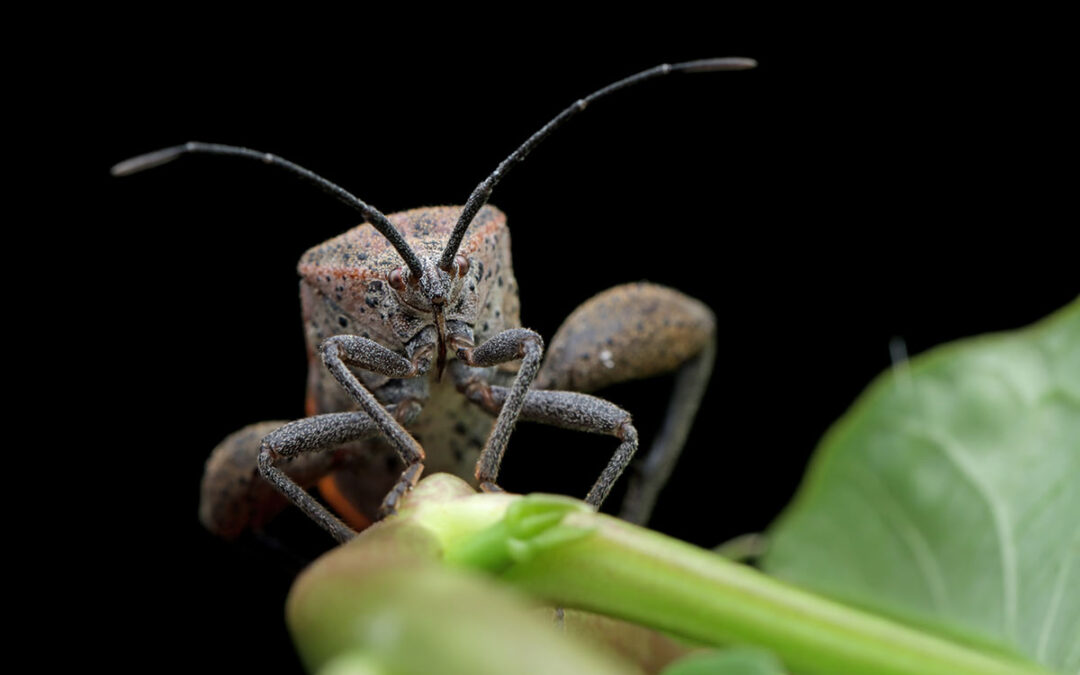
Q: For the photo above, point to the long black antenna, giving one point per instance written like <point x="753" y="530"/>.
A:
<point x="373" y="215"/>
<point x="482" y="192"/>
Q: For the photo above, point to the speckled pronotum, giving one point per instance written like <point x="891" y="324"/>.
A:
<point x="391" y="304"/>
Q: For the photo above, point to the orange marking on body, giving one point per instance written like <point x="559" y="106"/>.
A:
<point x="356" y="519"/>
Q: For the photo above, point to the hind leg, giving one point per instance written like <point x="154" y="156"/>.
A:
<point x="630" y="332"/>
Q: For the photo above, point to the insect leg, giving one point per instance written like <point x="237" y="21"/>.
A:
<point x="515" y="343"/>
<point x="636" y="331"/>
<point x="234" y="498"/>
<point x="569" y="410"/>
<point x="341" y="351"/>
<point x="651" y="473"/>
<point x="304" y="436"/>
<point x="312" y="434"/>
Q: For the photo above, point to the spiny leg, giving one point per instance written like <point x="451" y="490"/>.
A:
<point x="326" y="431"/>
<point x="341" y="351"/>
<point x="509" y="345"/>
<point x="569" y="410"/>
<point x="316" y="434"/>
<point x="233" y="498"/>
<point x="649" y="475"/>
<point x="630" y="332"/>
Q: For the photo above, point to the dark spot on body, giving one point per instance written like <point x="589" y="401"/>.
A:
<point x="585" y="356"/>
<point x="342" y="321"/>
<point x="371" y="301"/>
<point x="460" y="428"/>
<point x="485" y="329"/>
<point x="375" y="286"/>
<point x="499" y="281"/>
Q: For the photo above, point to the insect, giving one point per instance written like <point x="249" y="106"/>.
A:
<point x="414" y="342"/>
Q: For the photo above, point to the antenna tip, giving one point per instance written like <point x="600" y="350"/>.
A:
<point x="147" y="161"/>
<point x="707" y="65"/>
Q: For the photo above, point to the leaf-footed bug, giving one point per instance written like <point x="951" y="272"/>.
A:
<point x="393" y="304"/>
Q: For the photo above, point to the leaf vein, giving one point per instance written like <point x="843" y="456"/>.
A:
<point x="999" y="513"/>
<point x="921" y="550"/>
<point x="1055" y="601"/>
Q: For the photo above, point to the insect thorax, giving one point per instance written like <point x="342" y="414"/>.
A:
<point x="345" y="290"/>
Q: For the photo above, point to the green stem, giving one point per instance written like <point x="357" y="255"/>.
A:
<point x="579" y="559"/>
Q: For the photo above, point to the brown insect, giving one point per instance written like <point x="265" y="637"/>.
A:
<point x="414" y="341"/>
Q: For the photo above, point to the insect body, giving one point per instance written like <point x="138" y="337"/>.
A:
<point x="414" y="341"/>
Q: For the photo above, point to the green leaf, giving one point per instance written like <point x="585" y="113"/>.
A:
<point x="949" y="495"/>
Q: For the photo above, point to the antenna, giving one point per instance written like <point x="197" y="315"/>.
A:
<point x="379" y="221"/>
<point x="482" y="192"/>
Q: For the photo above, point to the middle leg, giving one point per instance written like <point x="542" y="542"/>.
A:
<point x="567" y="410"/>
<point x="631" y="332"/>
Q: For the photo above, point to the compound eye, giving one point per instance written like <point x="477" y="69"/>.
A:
<point x="397" y="279"/>
<point x="461" y="265"/>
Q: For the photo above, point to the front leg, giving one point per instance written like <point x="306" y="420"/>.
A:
<point x="509" y="345"/>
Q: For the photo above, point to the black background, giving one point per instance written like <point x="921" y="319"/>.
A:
<point x="870" y="180"/>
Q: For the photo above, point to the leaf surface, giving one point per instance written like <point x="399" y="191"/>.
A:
<point x="949" y="495"/>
